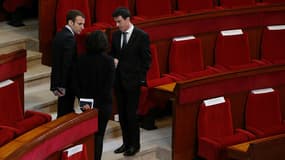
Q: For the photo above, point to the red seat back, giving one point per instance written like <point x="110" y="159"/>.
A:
<point x="152" y="9"/>
<point x="232" y="48"/>
<point x="263" y="109"/>
<point x="194" y="5"/>
<point x="215" y="118"/>
<point x="236" y="3"/>
<point x="63" y="6"/>
<point x="185" y="55"/>
<point x="273" y="48"/>
<point x="105" y="8"/>
<point x="10" y="103"/>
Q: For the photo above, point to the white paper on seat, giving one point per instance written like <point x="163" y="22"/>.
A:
<point x="276" y="27"/>
<point x="73" y="150"/>
<point x="6" y="83"/>
<point x="183" y="38"/>
<point x="214" y="101"/>
<point x="232" y="32"/>
<point x="261" y="91"/>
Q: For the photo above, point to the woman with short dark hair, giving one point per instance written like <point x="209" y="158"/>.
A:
<point x="93" y="78"/>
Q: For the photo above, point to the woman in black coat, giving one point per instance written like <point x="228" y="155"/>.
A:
<point x="93" y="78"/>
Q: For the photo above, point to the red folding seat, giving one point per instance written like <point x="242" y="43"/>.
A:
<point x="12" y="115"/>
<point x="273" y="1"/>
<point x="232" y="51"/>
<point x="263" y="113"/>
<point x="186" y="59"/>
<point x="236" y="3"/>
<point x="77" y="152"/>
<point x="272" y="46"/>
<point x="153" y="79"/>
<point x="194" y="5"/>
<point x="6" y="135"/>
<point x="148" y="9"/>
<point x="215" y="129"/>
<point x="63" y="6"/>
<point x="104" y="10"/>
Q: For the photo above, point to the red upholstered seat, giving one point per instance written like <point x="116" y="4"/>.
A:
<point x="232" y="51"/>
<point x="273" y="48"/>
<point x="104" y="10"/>
<point x="148" y="9"/>
<point x="186" y="59"/>
<point x="273" y="1"/>
<point x="63" y="6"/>
<point x="153" y="80"/>
<point x="6" y="135"/>
<point x="77" y="152"/>
<point x="236" y="3"/>
<point x="215" y="129"/>
<point x="263" y="113"/>
<point x="194" y="5"/>
<point x="12" y="114"/>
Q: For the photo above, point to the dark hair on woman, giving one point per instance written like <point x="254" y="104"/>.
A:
<point x="121" y="11"/>
<point x="97" y="42"/>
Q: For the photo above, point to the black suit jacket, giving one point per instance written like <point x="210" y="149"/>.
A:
<point x="134" y="59"/>
<point x="93" y="78"/>
<point x="63" y="56"/>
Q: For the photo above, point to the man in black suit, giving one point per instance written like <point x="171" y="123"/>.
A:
<point x="131" y="52"/>
<point x="63" y="56"/>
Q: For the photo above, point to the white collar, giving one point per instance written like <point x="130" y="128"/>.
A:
<point x="69" y="28"/>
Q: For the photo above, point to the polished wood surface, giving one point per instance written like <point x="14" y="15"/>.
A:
<point x="41" y="135"/>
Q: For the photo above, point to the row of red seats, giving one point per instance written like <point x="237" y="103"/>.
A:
<point x="231" y="53"/>
<point x="14" y="121"/>
<point x="215" y="124"/>
<point x="144" y="9"/>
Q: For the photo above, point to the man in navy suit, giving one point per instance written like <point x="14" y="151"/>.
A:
<point x="131" y="52"/>
<point x="63" y="56"/>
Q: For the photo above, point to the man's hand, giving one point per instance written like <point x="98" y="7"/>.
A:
<point x="59" y="92"/>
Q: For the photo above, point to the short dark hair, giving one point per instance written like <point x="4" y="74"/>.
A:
<point x="97" y="42"/>
<point x="122" y="11"/>
<point x="72" y="14"/>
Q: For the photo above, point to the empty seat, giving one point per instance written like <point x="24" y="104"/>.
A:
<point x="153" y="79"/>
<point x="148" y="9"/>
<point x="12" y="115"/>
<point x="272" y="47"/>
<point x="194" y="5"/>
<point x="104" y="10"/>
<point x="63" y="6"/>
<point x="232" y="51"/>
<point x="263" y="113"/>
<point x="186" y="59"/>
<point x="236" y="3"/>
<point x="77" y="152"/>
<point x="215" y="129"/>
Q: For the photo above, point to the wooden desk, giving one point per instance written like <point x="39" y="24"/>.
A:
<point x="268" y="148"/>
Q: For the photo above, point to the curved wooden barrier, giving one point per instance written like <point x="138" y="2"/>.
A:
<point x="48" y="140"/>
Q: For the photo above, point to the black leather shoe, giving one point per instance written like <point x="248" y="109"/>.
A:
<point x="121" y="149"/>
<point x="131" y="151"/>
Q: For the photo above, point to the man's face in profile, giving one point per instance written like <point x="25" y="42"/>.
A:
<point x="122" y="23"/>
<point x="78" y="25"/>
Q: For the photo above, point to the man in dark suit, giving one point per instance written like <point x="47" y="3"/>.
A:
<point x="131" y="52"/>
<point x="63" y="56"/>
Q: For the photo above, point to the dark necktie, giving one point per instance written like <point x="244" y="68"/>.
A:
<point x="124" y="39"/>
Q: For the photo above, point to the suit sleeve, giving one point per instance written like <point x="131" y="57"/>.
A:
<point x="145" y="56"/>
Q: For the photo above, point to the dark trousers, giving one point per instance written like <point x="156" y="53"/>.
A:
<point x="127" y="101"/>
<point x="103" y="118"/>
<point x="65" y="104"/>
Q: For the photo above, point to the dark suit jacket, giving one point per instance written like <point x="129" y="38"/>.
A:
<point x="63" y="56"/>
<point x="134" y="59"/>
<point x="93" y="78"/>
